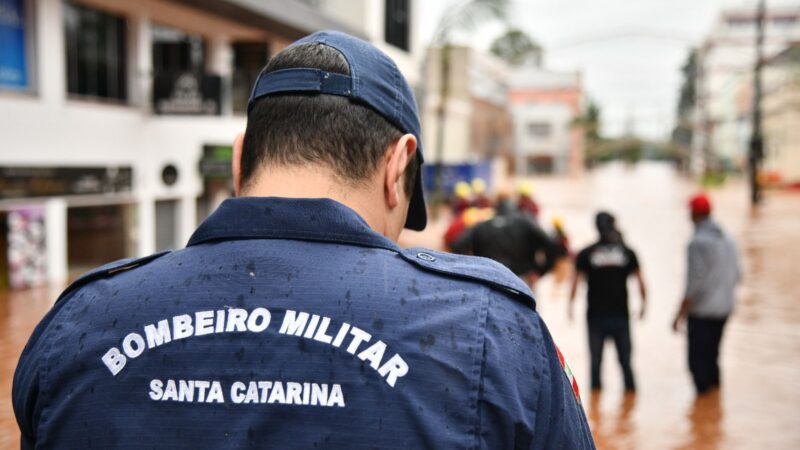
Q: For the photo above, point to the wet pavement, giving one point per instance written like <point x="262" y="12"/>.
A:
<point x="759" y="403"/>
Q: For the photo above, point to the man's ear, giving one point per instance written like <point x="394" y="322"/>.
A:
<point x="236" y="163"/>
<point x="398" y="156"/>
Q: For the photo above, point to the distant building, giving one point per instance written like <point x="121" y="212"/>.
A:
<point x="724" y="93"/>
<point x="544" y="106"/>
<point x="118" y="116"/>
<point x="477" y="125"/>
<point x="781" y="112"/>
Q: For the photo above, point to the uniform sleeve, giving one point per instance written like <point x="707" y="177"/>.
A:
<point x="526" y="400"/>
<point x="567" y="424"/>
<point x="26" y="391"/>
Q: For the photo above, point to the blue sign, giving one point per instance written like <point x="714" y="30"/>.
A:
<point x="453" y="173"/>
<point x="13" y="64"/>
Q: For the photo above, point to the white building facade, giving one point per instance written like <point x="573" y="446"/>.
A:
<point x="726" y="62"/>
<point x="118" y="117"/>
<point x="544" y="106"/>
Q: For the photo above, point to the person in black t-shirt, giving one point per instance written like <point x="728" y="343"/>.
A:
<point x="606" y="265"/>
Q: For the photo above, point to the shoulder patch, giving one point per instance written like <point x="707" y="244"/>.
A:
<point x="109" y="270"/>
<point x="475" y="268"/>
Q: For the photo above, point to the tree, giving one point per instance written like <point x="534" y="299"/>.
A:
<point x="682" y="133"/>
<point x="589" y="122"/>
<point x="464" y="16"/>
<point x="517" y="48"/>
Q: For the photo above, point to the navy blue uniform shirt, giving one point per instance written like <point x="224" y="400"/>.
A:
<point x="291" y="324"/>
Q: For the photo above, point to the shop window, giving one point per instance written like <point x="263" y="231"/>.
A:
<point x="540" y="164"/>
<point x="397" y="22"/>
<point x="96" y="53"/>
<point x="16" y="55"/>
<point x="97" y="235"/>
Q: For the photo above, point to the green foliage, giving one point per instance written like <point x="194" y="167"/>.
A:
<point x="468" y="15"/>
<point x="682" y="134"/>
<point x="589" y="122"/>
<point x="517" y="48"/>
<point x="688" y="95"/>
<point x="632" y="150"/>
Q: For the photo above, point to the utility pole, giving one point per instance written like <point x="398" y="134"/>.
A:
<point x="756" y="153"/>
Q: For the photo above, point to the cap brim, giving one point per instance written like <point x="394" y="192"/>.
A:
<point x="417" y="217"/>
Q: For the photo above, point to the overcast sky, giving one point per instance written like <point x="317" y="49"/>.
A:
<point x="629" y="51"/>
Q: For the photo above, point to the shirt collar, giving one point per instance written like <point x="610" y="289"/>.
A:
<point x="318" y="219"/>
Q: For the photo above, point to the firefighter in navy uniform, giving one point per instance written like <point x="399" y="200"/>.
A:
<point x="292" y="319"/>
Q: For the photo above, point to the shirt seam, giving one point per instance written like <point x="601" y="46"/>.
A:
<point x="48" y="350"/>
<point x="546" y="375"/>
<point x="479" y="364"/>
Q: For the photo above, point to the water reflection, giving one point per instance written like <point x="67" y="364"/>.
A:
<point x="612" y="421"/>
<point x="705" y="422"/>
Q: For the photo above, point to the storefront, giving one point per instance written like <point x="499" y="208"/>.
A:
<point x="58" y="221"/>
<point x="98" y="234"/>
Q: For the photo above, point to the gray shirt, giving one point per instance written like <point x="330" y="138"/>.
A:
<point x="713" y="271"/>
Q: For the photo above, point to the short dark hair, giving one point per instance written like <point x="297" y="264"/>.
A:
<point x="298" y="128"/>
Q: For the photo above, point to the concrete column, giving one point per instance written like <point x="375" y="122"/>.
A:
<point x="51" y="63"/>
<point x="146" y="225"/>
<point x="187" y="218"/>
<point x="220" y="62"/>
<point x="55" y="223"/>
<point x="140" y="62"/>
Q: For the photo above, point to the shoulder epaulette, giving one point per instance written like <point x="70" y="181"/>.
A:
<point x="474" y="268"/>
<point x="109" y="269"/>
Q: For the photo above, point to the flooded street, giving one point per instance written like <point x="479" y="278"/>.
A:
<point x="759" y="403"/>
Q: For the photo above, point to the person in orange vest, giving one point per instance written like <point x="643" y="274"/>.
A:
<point x="461" y="200"/>
<point x="480" y="199"/>
<point x="525" y="201"/>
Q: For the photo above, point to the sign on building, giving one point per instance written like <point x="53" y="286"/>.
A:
<point x="187" y="93"/>
<point x="13" y="61"/>
<point x="27" y="182"/>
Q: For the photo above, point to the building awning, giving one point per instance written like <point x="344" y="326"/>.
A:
<point x="288" y="18"/>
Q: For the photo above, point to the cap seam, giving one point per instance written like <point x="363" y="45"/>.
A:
<point x="396" y="87"/>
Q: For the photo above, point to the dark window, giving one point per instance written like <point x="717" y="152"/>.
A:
<point x="539" y="129"/>
<point x="398" y="18"/>
<point x="248" y="60"/>
<point x="96" y="53"/>
<point x="175" y="51"/>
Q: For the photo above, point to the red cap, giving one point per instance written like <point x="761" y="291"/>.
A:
<point x="700" y="204"/>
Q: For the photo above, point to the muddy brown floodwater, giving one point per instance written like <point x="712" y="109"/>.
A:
<point x="759" y="403"/>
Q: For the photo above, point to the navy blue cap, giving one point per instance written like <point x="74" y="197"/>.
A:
<point x="374" y="80"/>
